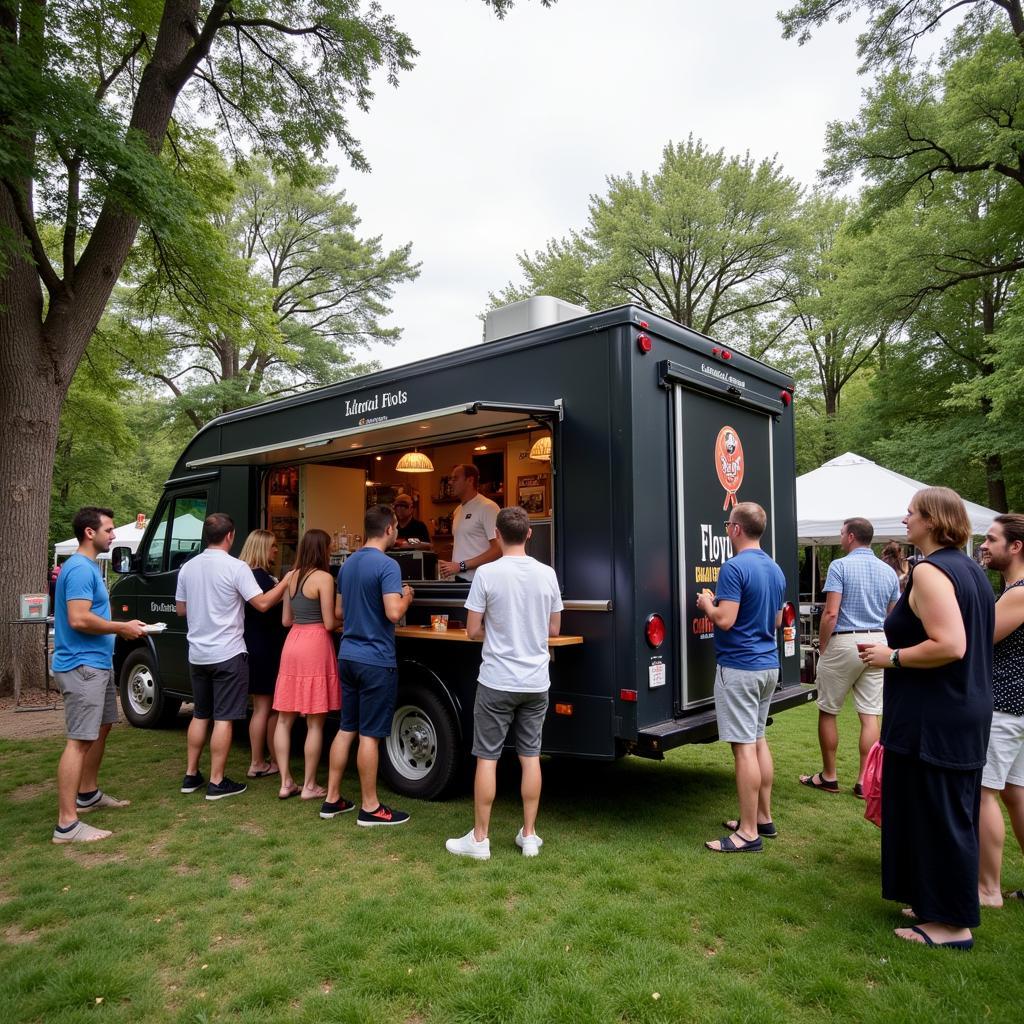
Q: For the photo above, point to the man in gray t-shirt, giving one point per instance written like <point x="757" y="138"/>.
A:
<point x="513" y="606"/>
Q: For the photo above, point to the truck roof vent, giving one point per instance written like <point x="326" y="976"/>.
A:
<point x="528" y="315"/>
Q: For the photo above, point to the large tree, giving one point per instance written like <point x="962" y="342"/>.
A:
<point x="307" y="293"/>
<point x="703" y="240"/>
<point x="88" y="89"/>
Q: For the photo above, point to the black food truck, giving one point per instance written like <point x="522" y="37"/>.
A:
<point x="626" y="436"/>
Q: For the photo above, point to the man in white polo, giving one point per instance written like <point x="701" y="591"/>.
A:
<point x="860" y="590"/>
<point x="213" y="589"/>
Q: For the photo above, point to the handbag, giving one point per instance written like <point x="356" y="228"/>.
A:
<point x="873" y="785"/>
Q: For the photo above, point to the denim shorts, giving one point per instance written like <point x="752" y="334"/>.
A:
<point x="368" y="694"/>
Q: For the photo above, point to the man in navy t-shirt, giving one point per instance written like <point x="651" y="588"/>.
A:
<point x="373" y="599"/>
<point x="746" y="612"/>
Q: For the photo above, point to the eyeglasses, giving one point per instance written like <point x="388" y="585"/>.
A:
<point x="727" y="524"/>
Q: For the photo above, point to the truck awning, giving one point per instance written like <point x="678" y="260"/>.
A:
<point x="454" y="423"/>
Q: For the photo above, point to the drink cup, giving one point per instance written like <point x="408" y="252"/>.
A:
<point x="439" y="623"/>
<point x="861" y="648"/>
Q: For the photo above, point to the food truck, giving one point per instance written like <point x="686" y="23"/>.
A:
<point x="626" y="436"/>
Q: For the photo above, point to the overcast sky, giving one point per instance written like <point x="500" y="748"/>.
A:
<point x="496" y="140"/>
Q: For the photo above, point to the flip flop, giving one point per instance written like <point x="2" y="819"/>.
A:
<point x="961" y="944"/>
<point x="824" y="785"/>
<point x="99" y="802"/>
<point x="1017" y="894"/>
<point x="293" y="791"/>
<point x="858" y="791"/>
<point x="316" y="793"/>
<point x="766" y="828"/>
<point x="262" y="774"/>
<point x="726" y="845"/>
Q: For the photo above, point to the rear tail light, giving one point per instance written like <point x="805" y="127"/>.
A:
<point x="563" y="709"/>
<point x="654" y="630"/>
<point x="788" y="614"/>
<point x="628" y="695"/>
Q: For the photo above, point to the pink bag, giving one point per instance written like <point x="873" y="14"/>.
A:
<point x="873" y="785"/>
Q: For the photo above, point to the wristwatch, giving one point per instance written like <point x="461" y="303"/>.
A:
<point x="894" y="659"/>
<point x="462" y="566"/>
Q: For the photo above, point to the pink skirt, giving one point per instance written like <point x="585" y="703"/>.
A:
<point x="308" y="680"/>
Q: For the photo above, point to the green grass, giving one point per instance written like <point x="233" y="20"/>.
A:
<point x="254" y="910"/>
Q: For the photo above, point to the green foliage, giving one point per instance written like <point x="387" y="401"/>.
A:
<point x="702" y="240"/>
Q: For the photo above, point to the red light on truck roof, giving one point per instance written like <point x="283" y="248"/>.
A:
<point x="654" y="630"/>
<point x="785" y="397"/>
<point x="726" y="354"/>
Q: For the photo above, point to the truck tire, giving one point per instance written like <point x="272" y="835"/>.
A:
<point x="423" y="753"/>
<point x="142" y="695"/>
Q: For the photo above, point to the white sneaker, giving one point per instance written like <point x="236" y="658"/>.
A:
<point x="468" y="846"/>
<point x="530" y="845"/>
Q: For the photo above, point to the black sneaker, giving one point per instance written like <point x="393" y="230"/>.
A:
<point x="382" y="816"/>
<point x="192" y="782"/>
<point x="331" y="809"/>
<point x="226" y="787"/>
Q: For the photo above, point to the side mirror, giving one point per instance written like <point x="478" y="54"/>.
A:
<point x="121" y="560"/>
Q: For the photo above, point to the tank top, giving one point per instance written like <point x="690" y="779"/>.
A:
<point x="943" y="715"/>
<point x="1008" y="669"/>
<point x="306" y="611"/>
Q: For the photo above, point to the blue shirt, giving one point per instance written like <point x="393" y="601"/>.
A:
<point x="369" y="635"/>
<point x="754" y="580"/>
<point x="80" y="580"/>
<point x="868" y="587"/>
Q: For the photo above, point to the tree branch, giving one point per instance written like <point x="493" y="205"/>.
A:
<point x="53" y="283"/>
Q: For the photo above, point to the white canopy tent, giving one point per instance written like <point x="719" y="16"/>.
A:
<point x="129" y="535"/>
<point x="850" y="485"/>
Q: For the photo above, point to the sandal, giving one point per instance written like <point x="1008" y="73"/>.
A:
<point x="726" y="845"/>
<point x="823" y="784"/>
<point x="262" y="773"/>
<point x="314" y="793"/>
<point x="287" y="794"/>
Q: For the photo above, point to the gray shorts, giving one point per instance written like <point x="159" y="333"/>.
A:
<point x="742" y="698"/>
<point x="90" y="700"/>
<point x="493" y="713"/>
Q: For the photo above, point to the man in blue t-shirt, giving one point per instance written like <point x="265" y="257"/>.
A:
<point x="746" y="612"/>
<point x="83" y="660"/>
<point x="373" y="599"/>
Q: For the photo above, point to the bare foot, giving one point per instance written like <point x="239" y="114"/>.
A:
<point x="287" y="791"/>
<point x="313" y="792"/>
<point x="990" y="898"/>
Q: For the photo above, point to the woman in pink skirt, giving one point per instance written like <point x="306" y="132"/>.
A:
<point x="307" y="683"/>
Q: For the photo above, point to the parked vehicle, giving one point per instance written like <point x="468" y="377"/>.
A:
<point x="654" y="430"/>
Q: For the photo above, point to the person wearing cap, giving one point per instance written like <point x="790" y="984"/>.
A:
<point x="412" y="532"/>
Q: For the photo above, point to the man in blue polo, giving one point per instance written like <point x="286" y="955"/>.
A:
<point x="373" y="600"/>
<point x="746" y="613"/>
<point x="83" y="660"/>
<point x="860" y="590"/>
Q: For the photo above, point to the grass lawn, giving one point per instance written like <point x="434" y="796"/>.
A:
<point x="253" y="909"/>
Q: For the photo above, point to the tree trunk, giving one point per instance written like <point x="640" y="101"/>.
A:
<point x="996" y="483"/>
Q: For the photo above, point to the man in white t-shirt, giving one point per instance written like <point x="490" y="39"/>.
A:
<point x="513" y="606"/>
<point x="473" y="522"/>
<point x="213" y="589"/>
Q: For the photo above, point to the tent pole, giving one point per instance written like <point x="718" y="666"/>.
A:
<point x="814" y="573"/>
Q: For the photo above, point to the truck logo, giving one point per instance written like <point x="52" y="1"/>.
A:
<point x="729" y="463"/>
<point x="161" y="606"/>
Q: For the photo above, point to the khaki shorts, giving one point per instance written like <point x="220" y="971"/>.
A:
<point x="840" y="670"/>
<point x="1004" y="764"/>
<point x="90" y="700"/>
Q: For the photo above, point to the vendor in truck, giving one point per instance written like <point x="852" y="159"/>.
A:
<point x="412" y="532"/>
<point x="473" y="524"/>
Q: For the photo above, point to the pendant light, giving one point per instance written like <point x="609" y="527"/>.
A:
<point x="541" y="450"/>
<point x="414" y="462"/>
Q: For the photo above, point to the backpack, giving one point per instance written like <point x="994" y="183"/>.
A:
<point x="873" y="785"/>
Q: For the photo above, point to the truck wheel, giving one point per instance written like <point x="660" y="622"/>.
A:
<point x="142" y="696"/>
<point x="423" y="753"/>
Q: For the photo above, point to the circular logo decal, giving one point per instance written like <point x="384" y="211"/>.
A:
<point x="729" y="463"/>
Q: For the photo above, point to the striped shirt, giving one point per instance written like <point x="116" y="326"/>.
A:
<point x="868" y="587"/>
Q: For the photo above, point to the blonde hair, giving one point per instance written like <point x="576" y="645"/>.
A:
<point x="947" y="515"/>
<point x="256" y="549"/>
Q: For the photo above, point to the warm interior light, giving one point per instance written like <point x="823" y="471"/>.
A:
<point x="480" y="448"/>
<point x="541" y="450"/>
<point x="414" y="462"/>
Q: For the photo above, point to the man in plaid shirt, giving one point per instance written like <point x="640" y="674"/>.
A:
<point x="860" y="590"/>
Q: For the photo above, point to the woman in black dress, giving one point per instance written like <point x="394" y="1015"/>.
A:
<point x="937" y="705"/>
<point x="264" y="640"/>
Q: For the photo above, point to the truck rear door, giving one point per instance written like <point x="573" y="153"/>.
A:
<point x="723" y="454"/>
